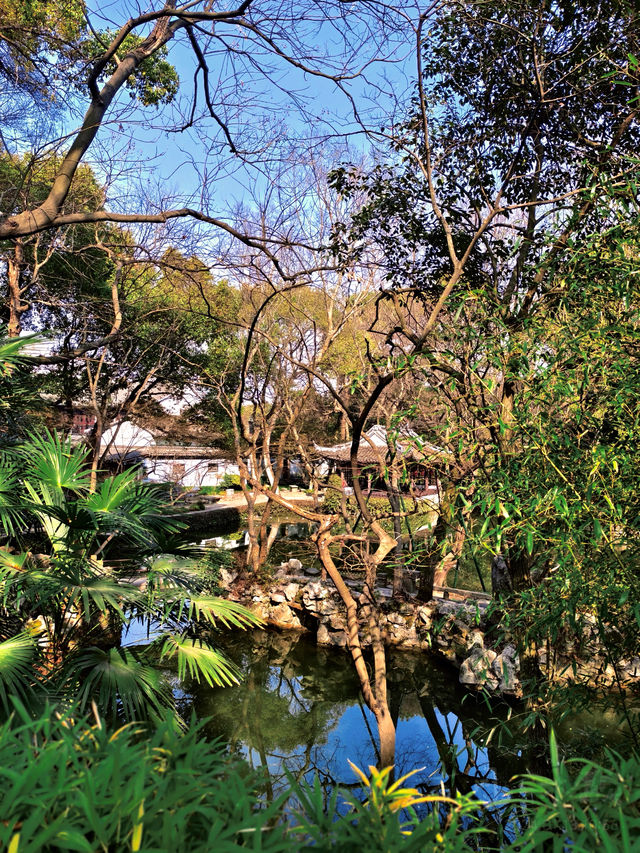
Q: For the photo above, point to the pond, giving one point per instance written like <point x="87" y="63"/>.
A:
<point x="299" y="708"/>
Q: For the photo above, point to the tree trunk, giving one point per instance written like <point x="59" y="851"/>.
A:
<point x="15" y="271"/>
<point x="374" y="694"/>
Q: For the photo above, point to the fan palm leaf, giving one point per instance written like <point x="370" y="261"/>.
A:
<point x="196" y="659"/>
<point x="13" y="512"/>
<point x="119" y="681"/>
<point x="218" y="611"/>
<point x="17" y="673"/>
<point x="44" y="502"/>
<point x="56" y="462"/>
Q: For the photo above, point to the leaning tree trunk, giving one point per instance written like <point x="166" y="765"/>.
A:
<point x="374" y="691"/>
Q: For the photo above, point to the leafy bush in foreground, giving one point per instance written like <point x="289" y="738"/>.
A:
<point x="71" y="785"/>
<point x="68" y="785"/>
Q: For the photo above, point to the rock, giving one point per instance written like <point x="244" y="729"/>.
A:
<point x="506" y="668"/>
<point x="311" y="571"/>
<point x="295" y="565"/>
<point x="260" y="609"/>
<point x="322" y="636"/>
<point x="500" y="577"/>
<point x="327" y="637"/>
<point x="283" y="617"/>
<point x="476" y="670"/>
<point x="291" y="590"/>
<point x="424" y="616"/>
<point x="631" y="669"/>
<point x="313" y="593"/>
<point x="337" y="620"/>
<point x="277" y="597"/>
<point x="474" y="640"/>
<point x="227" y="578"/>
<point x="403" y="635"/>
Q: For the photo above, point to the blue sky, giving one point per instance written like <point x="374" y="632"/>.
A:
<point x="274" y="112"/>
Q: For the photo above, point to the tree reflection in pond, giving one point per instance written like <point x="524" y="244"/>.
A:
<point x="300" y="708"/>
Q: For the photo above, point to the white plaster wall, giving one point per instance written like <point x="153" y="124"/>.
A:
<point x="197" y="472"/>
<point x="127" y="434"/>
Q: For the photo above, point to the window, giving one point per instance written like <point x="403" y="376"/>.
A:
<point x="178" y="470"/>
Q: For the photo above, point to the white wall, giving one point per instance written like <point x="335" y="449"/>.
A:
<point x="127" y="434"/>
<point x="191" y="473"/>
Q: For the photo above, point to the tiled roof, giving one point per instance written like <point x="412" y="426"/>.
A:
<point x="167" y="451"/>
<point x="373" y="448"/>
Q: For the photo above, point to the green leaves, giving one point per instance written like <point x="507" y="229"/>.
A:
<point x="119" y="681"/>
<point x="17" y="676"/>
<point x="196" y="659"/>
<point x="54" y="464"/>
<point x="220" y="610"/>
<point x="77" y="598"/>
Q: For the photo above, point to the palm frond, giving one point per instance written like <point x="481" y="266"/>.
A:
<point x="88" y="590"/>
<point x="17" y="673"/>
<point x="220" y="610"/>
<point x="12" y="352"/>
<point x="120" y="491"/>
<point x="119" y="681"/>
<point x="43" y="502"/>
<point x="167" y="571"/>
<point x="54" y="461"/>
<point x="198" y="660"/>
<point x="132" y="510"/>
<point x="13" y="512"/>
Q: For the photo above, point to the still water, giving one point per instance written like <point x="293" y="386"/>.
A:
<point x="299" y="707"/>
<point x="299" y="710"/>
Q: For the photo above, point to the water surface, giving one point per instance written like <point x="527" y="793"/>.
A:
<point x="300" y="707"/>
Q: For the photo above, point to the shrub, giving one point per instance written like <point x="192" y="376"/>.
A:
<point x="230" y="481"/>
<point x="68" y="785"/>
<point x="209" y="490"/>
<point x="333" y="494"/>
<point x="73" y="785"/>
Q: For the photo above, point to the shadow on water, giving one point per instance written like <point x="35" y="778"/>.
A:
<point x="299" y="707"/>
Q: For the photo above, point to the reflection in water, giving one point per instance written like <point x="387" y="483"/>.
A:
<point x="300" y="707"/>
<point x="285" y="540"/>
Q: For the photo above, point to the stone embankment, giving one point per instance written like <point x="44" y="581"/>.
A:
<point x="456" y="631"/>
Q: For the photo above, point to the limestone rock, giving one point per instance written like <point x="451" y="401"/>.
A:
<point x="283" y="616"/>
<point x="500" y="577"/>
<point x="327" y="637"/>
<point x="424" y="615"/>
<point x="506" y="668"/>
<point x="312" y="594"/>
<point x="227" y="578"/>
<point x="476" y="669"/>
<point x="259" y="608"/>
<point x="403" y="635"/>
<point x="291" y="590"/>
<point x="475" y="639"/>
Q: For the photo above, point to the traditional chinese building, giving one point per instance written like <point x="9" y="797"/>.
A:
<point x="415" y="462"/>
